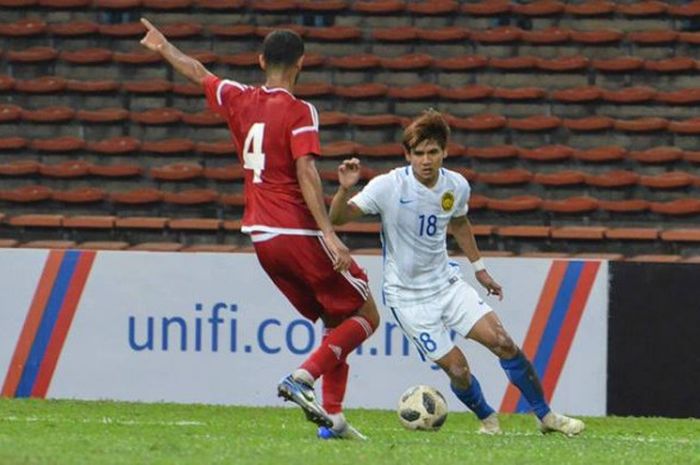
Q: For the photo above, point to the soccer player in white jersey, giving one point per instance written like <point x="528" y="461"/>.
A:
<point x="417" y="204"/>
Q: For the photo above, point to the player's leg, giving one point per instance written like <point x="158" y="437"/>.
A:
<point x="489" y="332"/>
<point x="468" y="390"/>
<point x="282" y="270"/>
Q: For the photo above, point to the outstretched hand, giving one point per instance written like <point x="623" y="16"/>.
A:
<point x="489" y="284"/>
<point x="154" y="39"/>
<point x="349" y="173"/>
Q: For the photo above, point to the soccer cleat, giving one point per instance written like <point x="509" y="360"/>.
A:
<point x="346" y="432"/>
<point x="556" y="422"/>
<point x="490" y="425"/>
<point x="303" y="395"/>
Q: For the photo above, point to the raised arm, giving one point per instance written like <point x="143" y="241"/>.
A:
<point x="343" y="211"/>
<point x="310" y="183"/>
<point x="187" y="66"/>
<point x="461" y="229"/>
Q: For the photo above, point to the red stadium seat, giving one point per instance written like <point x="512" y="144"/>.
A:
<point x="140" y="222"/>
<point x="334" y="33"/>
<point x="133" y="29"/>
<point x="139" y="196"/>
<point x="589" y="123"/>
<point x="378" y="6"/>
<point x="681" y="235"/>
<point x="220" y="5"/>
<point x="571" y="205"/>
<point x="477" y="202"/>
<point x="168" y="146"/>
<point x="117" y="4"/>
<point x="432" y="7"/>
<point x="355" y="62"/>
<point x="187" y="89"/>
<point x="663" y="36"/>
<point x="213" y="248"/>
<point x="524" y="231"/>
<point x="599" y="36"/>
<point x="414" y="92"/>
<point x="612" y="179"/>
<point x="407" y="62"/>
<point x="648" y="124"/>
<point x="167" y="4"/>
<point x="139" y="57"/>
<point x="232" y="200"/>
<point x="689" y="126"/>
<point x="49" y="115"/>
<point x="332" y="118"/>
<point x="41" y="85"/>
<point x="272" y="5"/>
<point x="115" y="145"/>
<point x="484" y="122"/>
<point x="679" y="97"/>
<point x="590" y="8"/>
<point x="240" y="59"/>
<point x="9" y="112"/>
<point x="548" y="36"/>
<point x="73" y="28"/>
<point x="203" y="118"/>
<point x="691" y="156"/>
<point x="534" y="123"/>
<point x="324" y="6"/>
<point x="6" y="83"/>
<point x="499" y="35"/>
<point x="87" y="56"/>
<point x="32" y="55"/>
<point x="633" y="234"/>
<point x="176" y="172"/>
<point x="224" y="173"/>
<point x="497" y="152"/>
<point x="680" y="207"/>
<point x="96" y="86"/>
<point x="117" y="170"/>
<point x="339" y="149"/>
<point x="618" y="64"/>
<point x="461" y="63"/>
<point x="466" y="93"/>
<point x="65" y="169"/>
<point x="588" y="233"/>
<point x="262" y="31"/>
<point x="624" y="206"/>
<point x="19" y="168"/>
<point x="443" y="34"/>
<point x="520" y="93"/>
<point x="559" y="178"/>
<point x="191" y="197"/>
<point x="362" y="91"/>
<point x="195" y="224"/>
<point x="58" y="144"/>
<point x="601" y="154"/>
<point x="217" y="148"/>
<point x="689" y="9"/>
<point x="513" y="63"/>
<point x="80" y="195"/>
<point x="520" y="203"/>
<point x="547" y="153"/>
<point x="148" y="86"/>
<point x="375" y="120"/>
<point x="12" y="143"/>
<point x="506" y="177"/>
<point x="232" y="30"/>
<point x="643" y="8"/>
<point x="395" y="34"/>
<point x="669" y="180"/>
<point x="657" y="155"/>
<point x="538" y="8"/>
<point x="158" y="247"/>
<point x="380" y="150"/>
<point x="26" y="27"/>
<point x="563" y="64"/>
<point x="578" y="94"/>
<point x="26" y="194"/>
<point x="156" y="116"/>
<point x="636" y="94"/>
<point x="487" y="7"/>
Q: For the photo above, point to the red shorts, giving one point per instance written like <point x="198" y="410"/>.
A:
<point x="301" y="267"/>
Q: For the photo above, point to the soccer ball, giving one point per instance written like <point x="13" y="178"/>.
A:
<point x="422" y="408"/>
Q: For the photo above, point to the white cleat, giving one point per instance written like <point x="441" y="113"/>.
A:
<point x="490" y="425"/>
<point x="341" y="429"/>
<point x="555" y="422"/>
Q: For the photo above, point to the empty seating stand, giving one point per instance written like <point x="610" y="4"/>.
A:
<point x="574" y="122"/>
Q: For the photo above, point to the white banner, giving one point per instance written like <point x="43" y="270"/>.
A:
<point x="212" y="328"/>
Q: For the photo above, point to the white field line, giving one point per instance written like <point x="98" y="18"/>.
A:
<point x="104" y="421"/>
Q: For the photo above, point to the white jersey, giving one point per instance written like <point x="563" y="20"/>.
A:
<point x="414" y="231"/>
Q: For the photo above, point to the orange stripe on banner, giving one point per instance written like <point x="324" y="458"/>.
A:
<point x="65" y="318"/>
<point x="568" y="328"/>
<point x="31" y="323"/>
<point x="537" y="326"/>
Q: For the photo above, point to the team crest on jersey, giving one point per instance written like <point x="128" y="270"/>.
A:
<point x="448" y="201"/>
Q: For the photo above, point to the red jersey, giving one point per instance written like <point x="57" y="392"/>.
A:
<point x="271" y="129"/>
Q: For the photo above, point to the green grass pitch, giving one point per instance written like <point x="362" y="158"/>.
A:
<point x="76" y="432"/>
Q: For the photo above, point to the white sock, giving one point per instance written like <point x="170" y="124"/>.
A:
<point x="304" y="376"/>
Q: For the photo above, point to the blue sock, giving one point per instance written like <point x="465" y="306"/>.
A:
<point x="521" y="373"/>
<point x="473" y="398"/>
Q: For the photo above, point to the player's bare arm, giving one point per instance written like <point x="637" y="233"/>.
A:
<point x="461" y="229"/>
<point x="187" y="66"/>
<point x="310" y="183"/>
<point x="342" y="210"/>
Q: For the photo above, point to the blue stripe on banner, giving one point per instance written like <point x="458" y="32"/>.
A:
<point x="560" y="308"/>
<point x="48" y="321"/>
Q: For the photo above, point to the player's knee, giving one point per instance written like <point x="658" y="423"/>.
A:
<point x="503" y="345"/>
<point x="459" y="374"/>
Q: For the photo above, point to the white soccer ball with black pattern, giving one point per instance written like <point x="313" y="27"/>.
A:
<point x="422" y="408"/>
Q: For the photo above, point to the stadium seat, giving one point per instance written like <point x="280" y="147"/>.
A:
<point x="362" y="91"/>
<point x="32" y="55"/>
<point x="212" y="248"/>
<point x="577" y="94"/>
<point x="115" y="145"/>
<point x="58" y="144"/>
<point x="334" y="33"/>
<point x="655" y="258"/>
<point x="633" y="234"/>
<point x="461" y="63"/>
<point x="534" y="123"/>
<point x="589" y="123"/>
<point x="498" y="35"/>
<point x="224" y="173"/>
<point x="13" y="143"/>
<point x="89" y="222"/>
<point x="547" y="153"/>
<point x="140" y="57"/>
<point x="483" y="122"/>
<point x="147" y="86"/>
<point x="216" y="148"/>
<point x="195" y="224"/>
<point x="65" y="4"/>
<point x="670" y="65"/>
<point x="48" y="244"/>
<point x="232" y="200"/>
<point x="375" y="120"/>
<point x="167" y="4"/>
<point x="624" y="206"/>
<point x="506" y="177"/>
<point x="679" y="97"/>
<point x="9" y="113"/>
<point x="590" y="8"/>
<point x="41" y="85"/>
<point x="86" y="56"/>
<point x="25" y="27"/>
<point x="103" y="115"/>
<point x="19" y="168"/>
<point x="486" y="7"/>
<point x="203" y="118"/>
<point x="519" y="93"/>
<point x="176" y="172"/>
<point x="390" y="149"/>
<point x="220" y="5"/>
<point x="627" y="95"/>
<point x="644" y="124"/>
<point x="378" y="7"/>
<point x="466" y="93"/>
<point x="677" y="207"/>
<point x="657" y="155"/>
<point x="668" y="180"/>
<point x="618" y="64"/>
<point x="92" y="86"/>
<point x="329" y="6"/>
<point x="560" y="178"/>
<point x="168" y="146"/>
<point x="538" y="8"/>
<point x="443" y="34"/>
<point x="156" y="116"/>
<point x="663" y="36"/>
<point x="564" y="64"/>
<point x="681" y="235"/>
<point x="116" y="170"/>
<point x="191" y="197"/>
<point x="339" y="149"/>
<point x="141" y="222"/>
<point x="689" y="126"/>
<point x="601" y="154"/>
<point x="157" y="247"/>
<point x="520" y="203"/>
<point x="414" y="92"/>
<point x="524" y="231"/>
<point x="520" y="62"/>
<point x="65" y="169"/>
<point x="73" y="28"/>
<point x="36" y="220"/>
<point x="138" y="196"/>
<point x="8" y="243"/>
<point x="48" y="115"/>
<point x="413" y="61"/>
<point x="571" y="205"/>
<point x="579" y="232"/>
<point x="612" y="179"/>
<point x="548" y="36"/>
<point x="645" y="8"/>
<point x="596" y="37"/>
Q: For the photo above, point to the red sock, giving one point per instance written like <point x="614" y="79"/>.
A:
<point x="334" y="383"/>
<point x="341" y="340"/>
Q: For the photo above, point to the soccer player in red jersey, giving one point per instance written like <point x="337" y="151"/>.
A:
<point x="277" y="139"/>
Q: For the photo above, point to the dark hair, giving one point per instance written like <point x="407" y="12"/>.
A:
<point x="431" y="125"/>
<point x="282" y="47"/>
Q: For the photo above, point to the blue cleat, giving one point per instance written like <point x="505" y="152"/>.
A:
<point x="346" y="432"/>
<point x="303" y="395"/>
